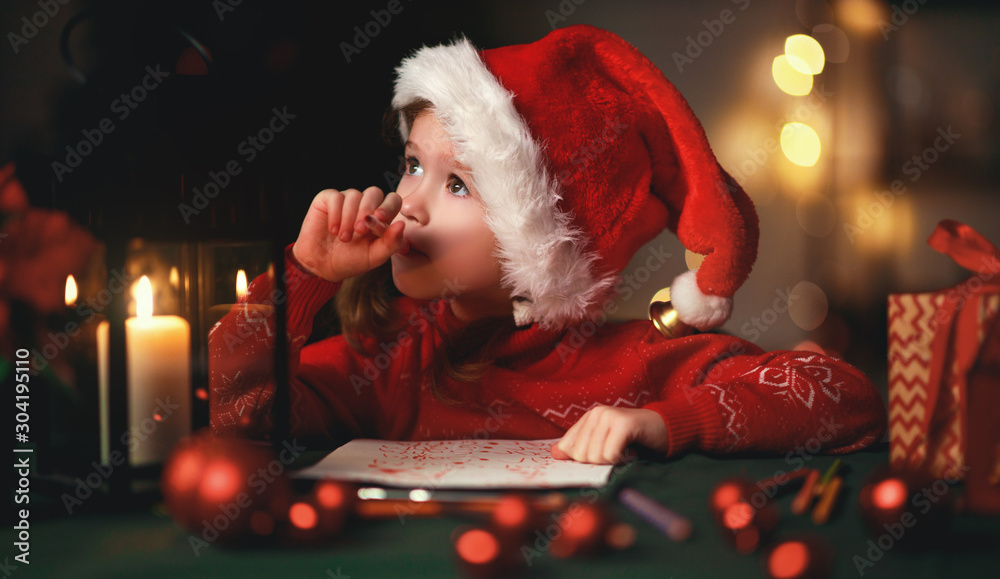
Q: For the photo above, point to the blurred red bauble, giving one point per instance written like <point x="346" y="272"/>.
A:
<point x="516" y="516"/>
<point x="480" y="552"/>
<point x="584" y="527"/>
<point x="805" y="556"/>
<point x="319" y="518"/>
<point x="224" y="489"/>
<point x="743" y="513"/>
<point x="906" y="509"/>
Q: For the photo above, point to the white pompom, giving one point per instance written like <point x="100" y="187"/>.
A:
<point x="697" y="309"/>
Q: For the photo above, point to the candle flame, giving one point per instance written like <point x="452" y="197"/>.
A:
<point x="144" y="299"/>
<point x="71" y="292"/>
<point x="175" y="278"/>
<point x="241" y="284"/>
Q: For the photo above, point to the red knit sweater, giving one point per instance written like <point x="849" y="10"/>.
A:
<point x="716" y="393"/>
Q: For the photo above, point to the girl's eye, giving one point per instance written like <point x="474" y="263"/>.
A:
<point x="413" y="167"/>
<point x="457" y="187"/>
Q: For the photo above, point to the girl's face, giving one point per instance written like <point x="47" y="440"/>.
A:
<point x="452" y="247"/>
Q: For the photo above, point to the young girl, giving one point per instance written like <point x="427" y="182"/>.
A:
<point x="533" y="174"/>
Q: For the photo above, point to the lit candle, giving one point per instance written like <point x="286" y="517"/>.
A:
<point x="158" y="375"/>
<point x="71" y="291"/>
<point x="217" y="312"/>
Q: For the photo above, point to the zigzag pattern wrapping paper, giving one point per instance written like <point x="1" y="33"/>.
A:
<point x="912" y="330"/>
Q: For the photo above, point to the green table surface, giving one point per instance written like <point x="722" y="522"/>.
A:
<point x="147" y="543"/>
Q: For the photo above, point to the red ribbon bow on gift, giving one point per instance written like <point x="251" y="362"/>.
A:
<point x="956" y="342"/>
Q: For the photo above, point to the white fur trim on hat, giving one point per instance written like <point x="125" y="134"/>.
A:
<point x="541" y="252"/>
<point x="697" y="309"/>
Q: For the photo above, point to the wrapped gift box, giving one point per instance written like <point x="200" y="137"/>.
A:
<point x="944" y="372"/>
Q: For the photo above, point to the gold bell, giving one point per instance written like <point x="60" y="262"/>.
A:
<point x="665" y="318"/>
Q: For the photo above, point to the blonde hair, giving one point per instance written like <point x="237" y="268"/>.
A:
<point x="364" y="306"/>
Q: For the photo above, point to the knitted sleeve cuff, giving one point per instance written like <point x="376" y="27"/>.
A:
<point x="307" y="292"/>
<point x="692" y="419"/>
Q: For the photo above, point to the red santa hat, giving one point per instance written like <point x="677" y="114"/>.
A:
<point x="582" y="152"/>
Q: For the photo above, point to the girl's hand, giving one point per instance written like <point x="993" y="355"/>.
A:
<point x="604" y="432"/>
<point x="335" y="243"/>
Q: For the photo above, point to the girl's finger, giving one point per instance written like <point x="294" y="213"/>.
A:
<point x="371" y="198"/>
<point x="331" y="201"/>
<point x="614" y="446"/>
<point x="582" y="445"/>
<point x="352" y="198"/>
<point x="390" y="206"/>
<point x="569" y="439"/>
<point x="391" y="242"/>
<point x="595" y="447"/>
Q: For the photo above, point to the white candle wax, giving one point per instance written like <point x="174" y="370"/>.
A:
<point x="158" y="375"/>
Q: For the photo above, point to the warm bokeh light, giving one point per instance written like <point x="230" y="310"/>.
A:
<point x="144" y="299"/>
<point x="725" y="495"/>
<point x="788" y="559"/>
<point x="201" y="393"/>
<point x="220" y="482"/>
<point x="372" y="493"/>
<point x="584" y="524"/>
<point x="175" y="279"/>
<point x="330" y="495"/>
<point x="477" y="546"/>
<point x="862" y="15"/>
<point x="71" y="291"/>
<point x="186" y="472"/>
<point x="800" y="144"/>
<point x="737" y="515"/>
<point x="808" y="305"/>
<point x="889" y="494"/>
<point x="789" y="77"/>
<point x="241" y="284"/>
<point x="880" y="222"/>
<point x="302" y="515"/>
<point x="511" y="512"/>
<point x="804" y="53"/>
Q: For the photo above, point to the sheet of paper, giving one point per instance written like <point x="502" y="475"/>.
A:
<point x="454" y="464"/>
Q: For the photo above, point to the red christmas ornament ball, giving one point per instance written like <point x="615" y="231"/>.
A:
<point x="583" y="526"/>
<point x="222" y="489"/>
